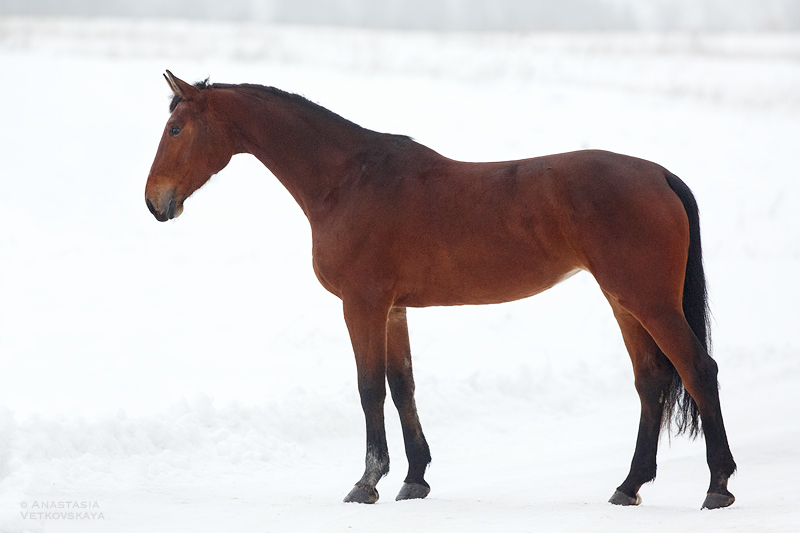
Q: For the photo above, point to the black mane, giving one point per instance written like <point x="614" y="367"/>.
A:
<point x="256" y="89"/>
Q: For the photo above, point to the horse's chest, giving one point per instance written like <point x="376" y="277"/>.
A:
<point x="325" y="278"/>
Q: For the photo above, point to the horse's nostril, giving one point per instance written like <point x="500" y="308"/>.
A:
<point x="160" y="217"/>
<point x="171" y="209"/>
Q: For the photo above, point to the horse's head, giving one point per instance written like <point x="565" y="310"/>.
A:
<point x="194" y="147"/>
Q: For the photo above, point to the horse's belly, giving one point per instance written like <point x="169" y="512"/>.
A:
<point x="466" y="288"/>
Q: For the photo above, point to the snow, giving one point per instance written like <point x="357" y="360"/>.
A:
<point x="194" y="376"/>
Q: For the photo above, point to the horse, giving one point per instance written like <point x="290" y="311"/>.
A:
<point x="394" y="225"/>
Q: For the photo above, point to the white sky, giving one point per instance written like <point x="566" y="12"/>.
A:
<point x="516" y="15"/>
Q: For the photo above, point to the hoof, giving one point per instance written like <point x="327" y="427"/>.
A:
<point x="362" y="494"/>
<point x="620" y="498"/>
<point x="715" y="500"/>
<point x="413" y="491"/>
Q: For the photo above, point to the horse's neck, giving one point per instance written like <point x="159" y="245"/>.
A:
<point x="306" y="149"/>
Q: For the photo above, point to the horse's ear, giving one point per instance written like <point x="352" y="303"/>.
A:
<point x="179" y="87"/>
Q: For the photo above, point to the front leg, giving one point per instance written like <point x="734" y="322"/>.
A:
<point x="367" y="326"/>
<point x="400" y="376"/>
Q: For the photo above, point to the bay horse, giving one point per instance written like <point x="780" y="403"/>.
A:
<point x="396" y="225"/>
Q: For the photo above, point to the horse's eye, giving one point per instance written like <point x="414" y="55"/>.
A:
<point x="173" y="131"/>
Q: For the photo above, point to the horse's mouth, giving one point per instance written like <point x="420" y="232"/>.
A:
<point x="173" y="210"/>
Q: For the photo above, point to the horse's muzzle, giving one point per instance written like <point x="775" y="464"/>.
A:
<point x="166" y="209"/>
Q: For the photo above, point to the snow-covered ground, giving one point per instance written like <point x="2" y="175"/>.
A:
<point x="194" y="376"/>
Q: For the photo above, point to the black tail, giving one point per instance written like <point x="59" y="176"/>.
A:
<point x="678" y="404"/>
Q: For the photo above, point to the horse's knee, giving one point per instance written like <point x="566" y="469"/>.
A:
<point x="402" y="388"/>
<point x="372" y="394"/>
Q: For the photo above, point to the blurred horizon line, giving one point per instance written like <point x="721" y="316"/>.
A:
<point x="446" y="15"/>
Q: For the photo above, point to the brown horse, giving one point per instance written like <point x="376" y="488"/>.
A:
<point x="395" y="225"/>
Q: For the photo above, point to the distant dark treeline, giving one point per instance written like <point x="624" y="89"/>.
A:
<point x="519" y="15"/>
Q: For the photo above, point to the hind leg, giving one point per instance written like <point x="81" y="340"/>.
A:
<point x="698" y="371"/>
<point x="401" y="383"/>
<point x="653" y="374"/>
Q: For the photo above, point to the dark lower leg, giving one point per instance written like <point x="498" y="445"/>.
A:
<point x="720" y="461"/>
<point x="416" y="446"/>
<point x="367" y="328"/>
<point x="376" y="462"/>
<point x="699" y="374"/>
<point x="643" y="465"/>
<point x="718" y="455"/>
<point x="401" y="383"/>
<point x="653" y="377"/>
<point x="701" y="382"/>
<point x="653" y="374"/>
